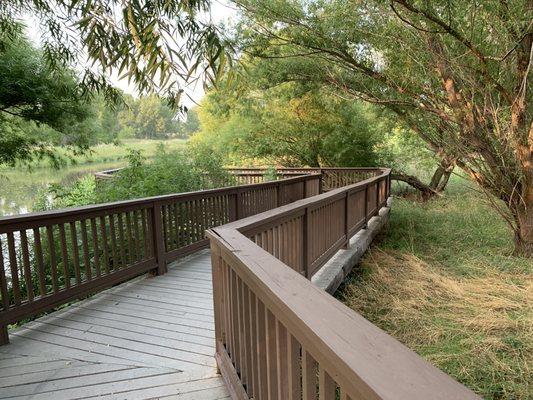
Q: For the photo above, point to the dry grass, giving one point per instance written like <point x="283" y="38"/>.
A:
<point x="474" y="321"/>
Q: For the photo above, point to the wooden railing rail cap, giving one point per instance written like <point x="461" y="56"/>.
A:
<point x="84" y="211"/>
<point x="381" y="367"/>
<point x="293" y="208"/>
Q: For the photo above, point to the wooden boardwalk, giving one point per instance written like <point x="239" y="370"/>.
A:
<point x="149" y="338"/>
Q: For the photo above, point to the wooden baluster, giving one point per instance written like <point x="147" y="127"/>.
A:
<point x="187" y="223"/>
<point x="218" y="293"/>
<point x="164" y="227"/>
<point x="247" y="339"/>
<point x="377" y="198"/>
<point x="53" y="260"/>
<point x="40" y="261"/>
<point x="366" y="207"/>
<point x="326" y="385"/>
<point x="306" y="248"/>
<point x="96" y="250"/>
<point x="238" y="205"/>
<point x="116" y="263"/>
<point x="243" y="350"/>
<point x="136" y="232"/>
<point x="293" y="365"/>
<point x="64" y="254"/>
<point x="168" y="221"/>
<point x="75" y="252"/>
<point x="131" y="248"/>
<point x="229" y="316"/>
<point x="105" y="246"/>
<point x="178" y="229"/>
<point x="85" y="246"/>
<point x="26" y="264"/>
<point x="4" y="336"/>
<point x="347" y="220"/>
<point x="271" y="355"/>
<point x="253" y="344"/>
<point x="14" y="268"/>
<point x="308" y="376"/>
<point x="282" y="361"/>
<point x="147" y="238"/>
<point x="262" y="374"/>
<point x="158" y="241"/>
<point x="121" y="241"/>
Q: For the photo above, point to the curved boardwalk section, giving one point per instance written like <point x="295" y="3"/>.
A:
<point x="152" y="337"/>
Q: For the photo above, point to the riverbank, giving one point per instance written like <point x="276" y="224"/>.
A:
<point x="22" y="185"/>
<point x="443" y="281"/>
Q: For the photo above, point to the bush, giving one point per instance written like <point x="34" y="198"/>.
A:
<point x="175" y="171"/>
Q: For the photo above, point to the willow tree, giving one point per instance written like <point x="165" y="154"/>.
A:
<point x="158" y="45"/>
<point x="457" y="72"/>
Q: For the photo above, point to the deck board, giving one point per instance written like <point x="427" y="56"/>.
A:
<point x="149" y="338"/>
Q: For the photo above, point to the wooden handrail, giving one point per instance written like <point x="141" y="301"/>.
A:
<point x="49" y="258"/>
<point x="280" y="337"/>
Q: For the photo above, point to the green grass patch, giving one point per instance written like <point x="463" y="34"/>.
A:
<point x="443" y="281"/>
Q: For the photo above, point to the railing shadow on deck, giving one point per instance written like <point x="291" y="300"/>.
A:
<point x="50" y="258"/>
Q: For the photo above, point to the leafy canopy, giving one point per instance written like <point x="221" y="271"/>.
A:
<point x="260" y="117"/>
<point x="457" y="72"/>
<point x="38" y="106"/>
<point x="158" y="45"/>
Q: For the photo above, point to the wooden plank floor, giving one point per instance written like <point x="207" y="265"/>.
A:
<point x="150" y="338"/>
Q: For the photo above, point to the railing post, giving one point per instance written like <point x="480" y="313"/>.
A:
<point x="159" y="245"/>
<point x="278" y="194"/>
<point x="320" y="182"/>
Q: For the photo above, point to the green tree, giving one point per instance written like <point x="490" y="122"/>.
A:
<point x="158" y="45"/>
<point x="39" y="107"/>
<point x="456" y="72"/>
<point x="291" y="124"/>
<point x="191" y="124"/>
<point x="149" y="117"/>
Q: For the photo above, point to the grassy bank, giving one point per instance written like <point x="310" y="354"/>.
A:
<point x="21" y="185"/>
<point x="443" y="282"/>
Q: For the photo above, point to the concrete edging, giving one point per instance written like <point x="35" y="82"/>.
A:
<point x="331" y="275"/>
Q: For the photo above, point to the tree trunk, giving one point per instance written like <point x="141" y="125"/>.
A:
<point x="523" y="213"/>
<point x="445" y="179"/>
<point x="426" y="191"/>
<point x="437" y="176"/>
<point x="441" y="176"/>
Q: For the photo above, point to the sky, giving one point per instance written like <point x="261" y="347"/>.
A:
<point x="221" y="12"/>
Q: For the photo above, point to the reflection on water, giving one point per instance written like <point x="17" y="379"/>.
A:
<point x="18" y="197"/>
<point x="20" y="188"/>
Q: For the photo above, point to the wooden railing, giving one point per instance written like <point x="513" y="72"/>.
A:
<point x="50" y="258"/>
<point x="332" y="177"/>
<point x="280" y="337"/>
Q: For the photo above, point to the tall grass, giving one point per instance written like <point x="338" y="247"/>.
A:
<point x="443" y="281"/>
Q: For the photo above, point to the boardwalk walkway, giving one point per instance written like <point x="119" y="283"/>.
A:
<point x="149" y="338"/>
